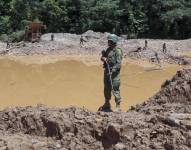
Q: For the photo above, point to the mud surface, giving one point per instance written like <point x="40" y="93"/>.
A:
<point x="162" y="122"/>
<point x="65" y="82"/>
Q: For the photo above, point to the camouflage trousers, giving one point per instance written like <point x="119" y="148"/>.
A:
<point x="108" y="89"/>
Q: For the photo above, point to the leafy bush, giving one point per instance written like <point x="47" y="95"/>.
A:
<point x="17" y="36"/>
<point x="3" y="37"/>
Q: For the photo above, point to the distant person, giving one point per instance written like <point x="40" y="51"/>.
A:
<point x="139" y="49"/>
<point x="52" y="37"/>
<point x="112" y="58"/>
<point x="157" y="58"/>
<point x="8" y="43"/>
<point x="164" y="48"/>
<point x="146" y="44"/>
<point x="82" y="41"/>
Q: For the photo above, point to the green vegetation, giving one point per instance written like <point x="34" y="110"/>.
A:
<point x="134" y="18"/>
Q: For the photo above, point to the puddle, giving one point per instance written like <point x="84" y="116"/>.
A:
<point x="64" y="83"/>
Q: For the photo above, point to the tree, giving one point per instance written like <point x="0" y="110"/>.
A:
<point x="136" y="18"/>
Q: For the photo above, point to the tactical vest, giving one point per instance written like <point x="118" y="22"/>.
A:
<point x="111" y="56"/>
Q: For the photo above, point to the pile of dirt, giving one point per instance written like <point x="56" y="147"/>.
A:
<point x="64" y="43"/>
<point x="171" y="57"/>
<point x="173" y="92"/>
<point x="162" y="122"/>
<point x="69" y="44"/>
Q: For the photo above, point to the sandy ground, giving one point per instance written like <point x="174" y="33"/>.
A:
<point x="69" y="45"/>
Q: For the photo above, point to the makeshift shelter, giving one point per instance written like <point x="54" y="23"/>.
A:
<point x="33" y="31"/>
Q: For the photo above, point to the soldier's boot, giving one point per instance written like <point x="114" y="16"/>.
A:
<point x="117" y="109"/>
<point x="106" y="107"/>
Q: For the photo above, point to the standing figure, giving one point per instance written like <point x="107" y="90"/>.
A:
<point x="8" y="43"/>
<point x="112" y="58"/>
<point x="146" y="44"/>
<point x="164" y="48"/>
<point x="157" y="58"/>
<point x="52" y="37"/>
<point x="82" y="41"/>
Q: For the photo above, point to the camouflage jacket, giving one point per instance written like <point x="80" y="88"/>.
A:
<point x="114" y="59"/>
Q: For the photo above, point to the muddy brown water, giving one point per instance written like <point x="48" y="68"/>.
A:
<point x="66" y="83"/>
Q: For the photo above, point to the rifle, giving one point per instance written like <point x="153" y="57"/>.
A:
<point x="110" y="75"/>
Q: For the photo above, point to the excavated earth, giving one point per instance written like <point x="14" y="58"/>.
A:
<point x="162" y="122"/>
<point x="69" y="44"/>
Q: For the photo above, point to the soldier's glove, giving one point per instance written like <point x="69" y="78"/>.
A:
<point x="104" y="59"/>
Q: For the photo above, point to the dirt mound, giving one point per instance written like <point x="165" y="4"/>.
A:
<point x="69" y="44"/>
<point x="174" y="96"/>
<point x="163" y="122"/>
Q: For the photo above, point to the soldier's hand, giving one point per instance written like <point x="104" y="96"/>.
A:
<point x="104" y="59"/>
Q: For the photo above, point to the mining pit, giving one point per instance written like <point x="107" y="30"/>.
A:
<point x="57" y="81"/>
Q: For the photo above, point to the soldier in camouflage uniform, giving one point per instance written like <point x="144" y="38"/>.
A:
<point x="112" y="58"/>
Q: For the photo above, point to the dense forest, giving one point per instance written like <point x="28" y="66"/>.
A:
<point x="134" y="18"/>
